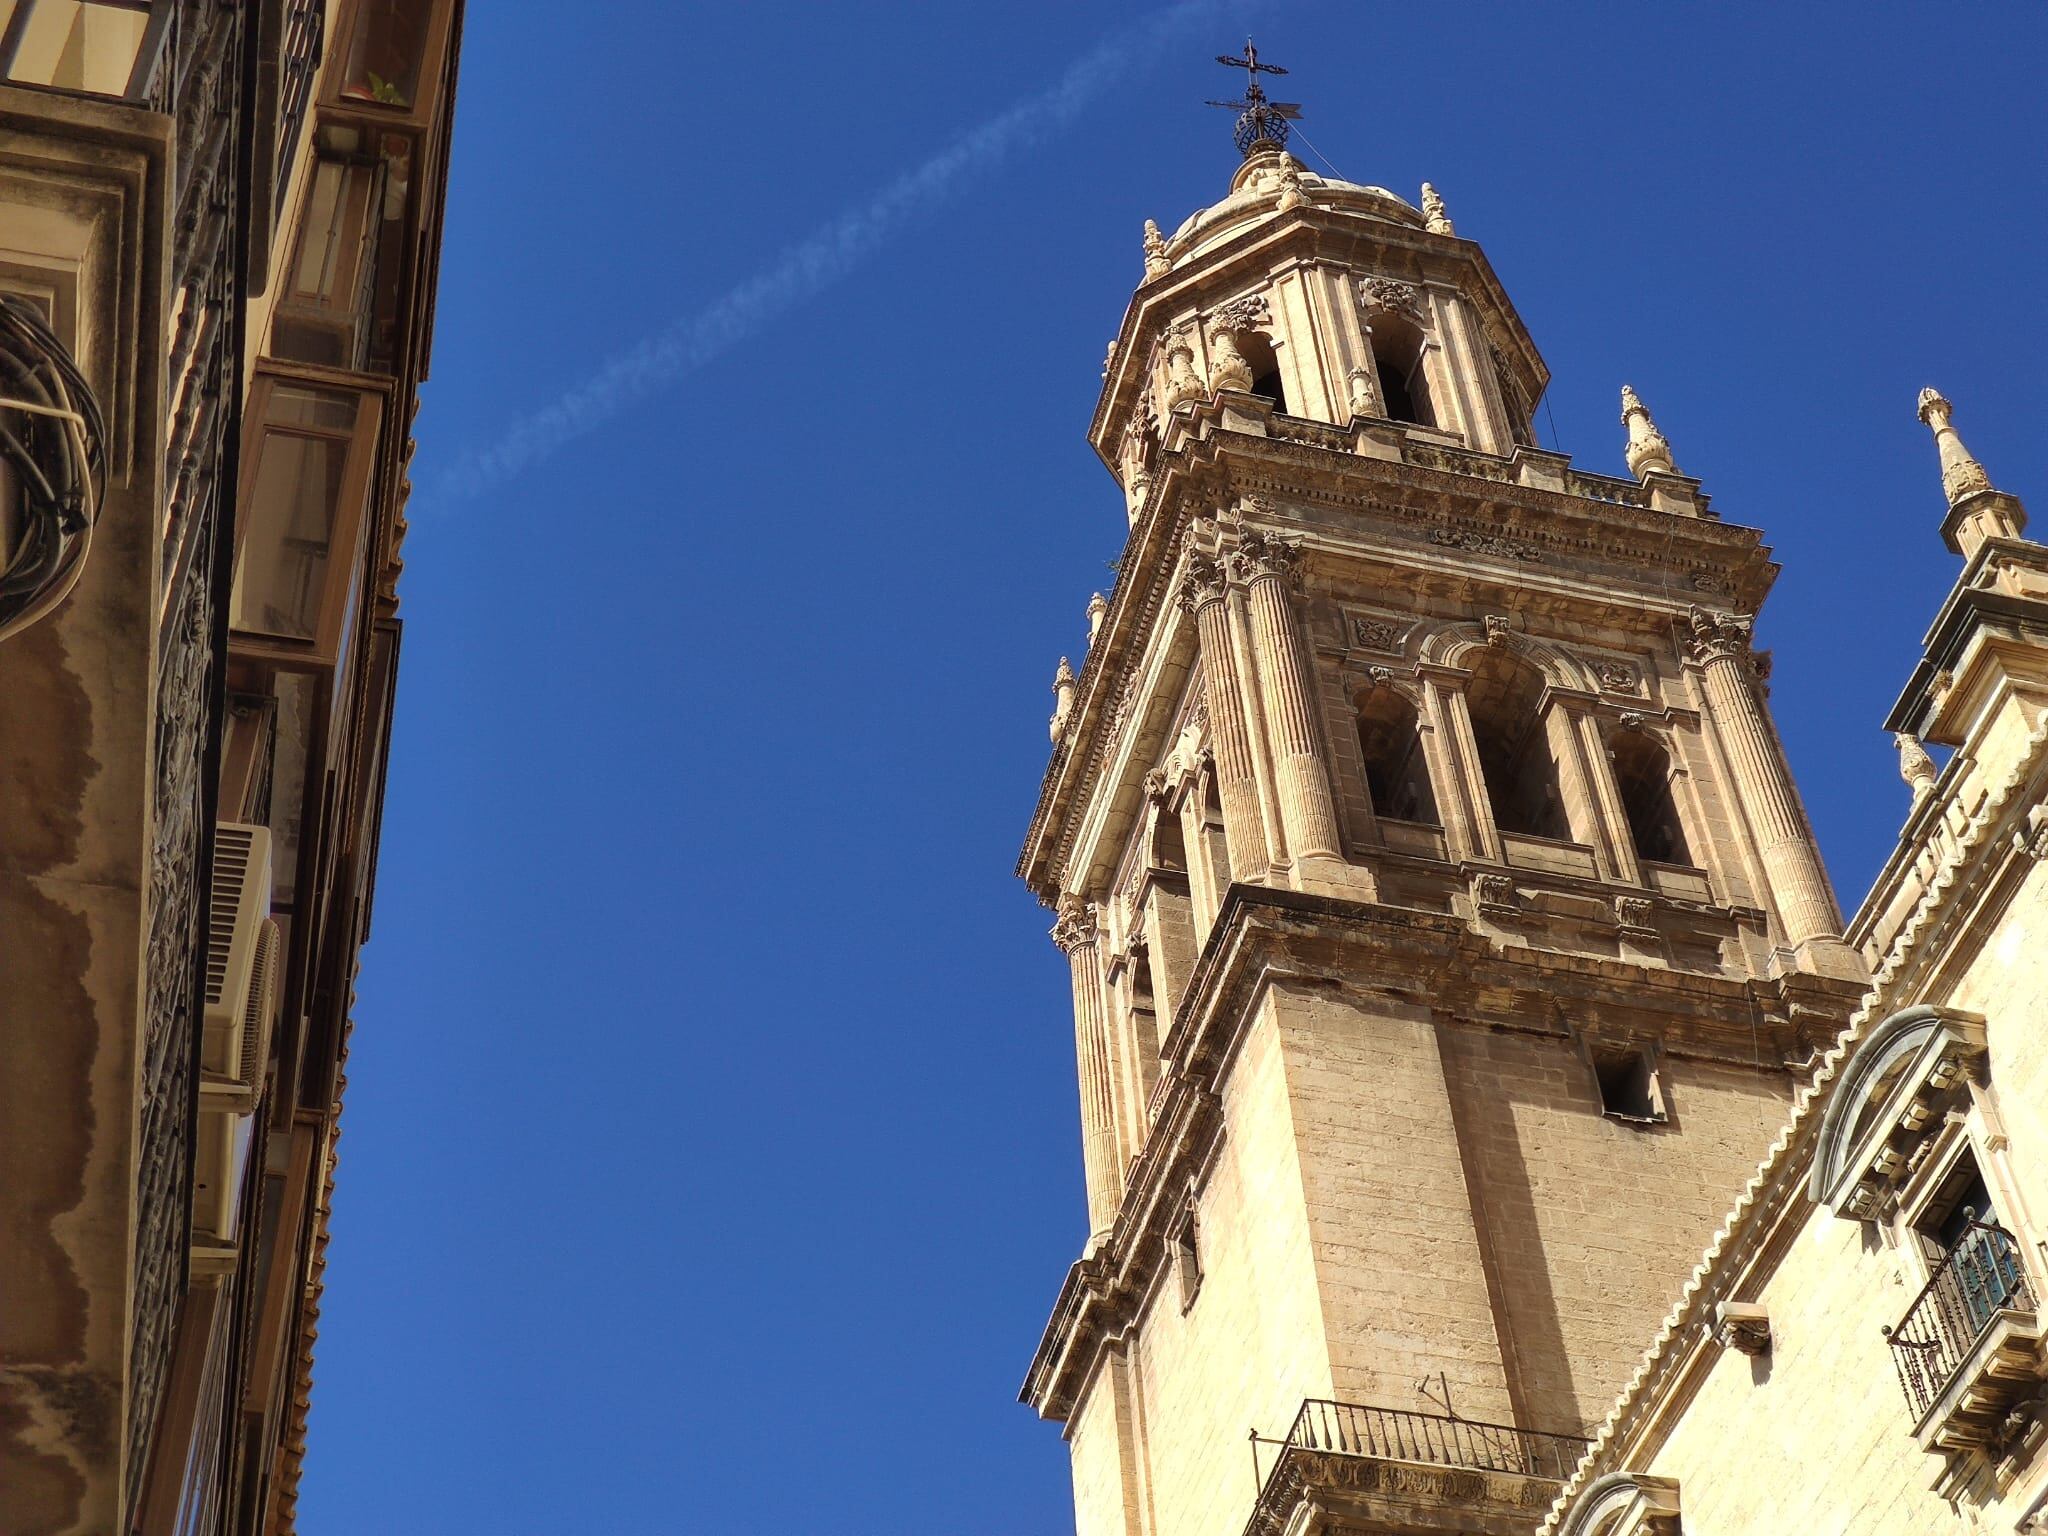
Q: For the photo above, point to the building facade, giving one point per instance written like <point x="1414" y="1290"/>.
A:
<point x="1446" y="935"/>
<point x="1860" y="1348"/>
<point x="219" y="234"/>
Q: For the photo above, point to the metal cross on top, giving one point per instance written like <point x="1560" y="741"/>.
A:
<point x="1261" y="124"/>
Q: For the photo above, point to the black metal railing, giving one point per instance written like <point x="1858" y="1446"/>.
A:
<point x="304" y="35"/>
<point x="1398" y="1434"/>
<point x="1980" y="1277"/>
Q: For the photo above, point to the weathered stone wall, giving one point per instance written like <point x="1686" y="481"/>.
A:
<point x="1403" y="1290"/>
<point x="1817" y="1435"/>
<point x="1246" y="1352"/>
<point x="1594" y="1223"/>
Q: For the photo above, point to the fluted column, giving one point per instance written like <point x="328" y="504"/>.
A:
<point x="1202" y="595"/>
<point x="1079" y="934"/>
<point x="1720" y="645"/>
<point x="1271" y="572"/>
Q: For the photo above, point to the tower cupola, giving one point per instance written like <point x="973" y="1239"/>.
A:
<point x="1306" y="298"/>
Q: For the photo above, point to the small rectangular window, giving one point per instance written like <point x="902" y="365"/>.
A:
<point x="1629" y="1089"/>
<point x="1187" y="1257"/>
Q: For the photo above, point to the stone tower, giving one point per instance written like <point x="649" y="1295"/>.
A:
<point x="1443" y="921"/>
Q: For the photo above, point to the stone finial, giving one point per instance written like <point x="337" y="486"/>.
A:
<point x="1978" y="510"/>
<point x="1434" y="218"/>
<point x="1098" y="610"/>
<point x="1915" y="766"/>
<point x="1961" y="475"/>
<point x="1647" y="449"/>
<point x="1156" y="262"/>
<point x="1109" y="358"/>
<point x="1062" y="698"/>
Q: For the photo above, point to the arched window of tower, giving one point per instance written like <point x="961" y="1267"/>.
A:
<point x="1504" y="698"/>
<point x="1396" y="772"/>
<point x="1397" y="347"/>
<point x="1642" y="775"/>
<point x="1263" y="359"/>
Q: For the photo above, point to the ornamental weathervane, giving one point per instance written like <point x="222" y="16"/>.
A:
<point x="1261" y="124"/>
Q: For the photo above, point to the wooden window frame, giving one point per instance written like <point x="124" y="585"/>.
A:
<point x="353" y="513"/>
<point x="419" y="113"/>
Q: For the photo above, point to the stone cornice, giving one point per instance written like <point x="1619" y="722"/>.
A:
<point x="1265" y="936"/>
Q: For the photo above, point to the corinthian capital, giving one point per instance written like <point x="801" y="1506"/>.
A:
<point x="1717" y="637"/>
<point x="1265" y="556"/>
<point x="1202" y="584"/>
<point x="1076" y="924"/>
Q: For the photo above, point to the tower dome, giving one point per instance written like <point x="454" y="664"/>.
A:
<point x="1329" y="300"/>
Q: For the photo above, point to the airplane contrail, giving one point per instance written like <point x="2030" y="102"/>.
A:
<point x="809" y="266"/>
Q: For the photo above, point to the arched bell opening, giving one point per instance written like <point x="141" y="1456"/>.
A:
<point x="1642" y="776"/>
<point x="1397" y="348"/>
<point x="1396" y="769"/>
<point x="1261" y="356"/>
<point x="1504" y="698"/>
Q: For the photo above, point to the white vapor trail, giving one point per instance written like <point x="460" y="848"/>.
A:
<point x="812" y="264"/>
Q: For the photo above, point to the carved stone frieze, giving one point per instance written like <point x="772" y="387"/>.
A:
<point x="1634" y="912"/>
<point x="1485" y="544"/>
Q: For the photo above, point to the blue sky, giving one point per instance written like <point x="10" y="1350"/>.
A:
<point x="710" y="1160"/>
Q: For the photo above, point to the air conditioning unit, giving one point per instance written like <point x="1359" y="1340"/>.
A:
<point x="244" y="954"/>
<point x="242" y="960"/>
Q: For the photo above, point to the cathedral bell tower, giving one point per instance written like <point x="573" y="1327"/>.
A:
<point x="1444" y="925"/>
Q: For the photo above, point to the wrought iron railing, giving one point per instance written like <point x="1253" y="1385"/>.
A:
<point x="304" y="34"/>
<point x="1980" y="1277"/>
<point x="1398" y="1434"/>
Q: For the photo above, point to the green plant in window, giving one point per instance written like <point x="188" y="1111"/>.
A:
<point x="385" y="91"/>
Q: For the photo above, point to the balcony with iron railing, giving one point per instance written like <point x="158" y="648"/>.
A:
<point x="1969" y="1346"/>
<point x="1389" y="1464"/>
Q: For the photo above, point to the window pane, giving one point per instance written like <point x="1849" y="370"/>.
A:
<point x="79" y="46"/>
<point x="321" y="409"/>
<point x="320" y="235"/>
<point x="283" y="568"/>
<point x="384" y="55"/>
